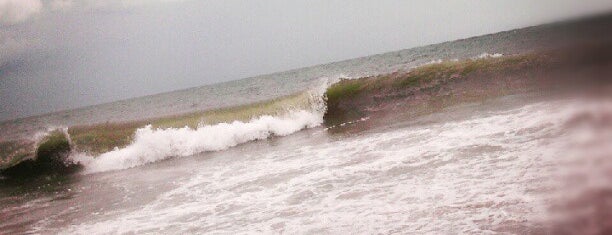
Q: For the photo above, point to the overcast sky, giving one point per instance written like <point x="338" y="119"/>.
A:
<point x="63" y="54"/>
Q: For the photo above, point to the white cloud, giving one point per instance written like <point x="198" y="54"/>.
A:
<point x="15" y="11"/>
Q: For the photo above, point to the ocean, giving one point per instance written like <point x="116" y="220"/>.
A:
<point x="485" y="167"/>
<point x="265" y="87"/>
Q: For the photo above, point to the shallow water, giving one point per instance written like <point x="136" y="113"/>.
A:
<point x="483" y="168"/>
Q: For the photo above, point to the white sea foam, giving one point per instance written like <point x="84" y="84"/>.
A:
<point x="485" y="174"/>
<point x="487" y="55"/>
<point x="151" y="145"/>
<point x="438" y="61"/>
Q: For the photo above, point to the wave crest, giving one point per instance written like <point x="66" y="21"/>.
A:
<point x="155" y="144"/>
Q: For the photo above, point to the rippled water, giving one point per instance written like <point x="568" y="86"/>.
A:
<point x="483" y="168"/>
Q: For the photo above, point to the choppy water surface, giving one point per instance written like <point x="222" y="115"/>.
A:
<point x="485" y="168"/>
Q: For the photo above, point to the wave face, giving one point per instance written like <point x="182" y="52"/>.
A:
<point x="155" y="144"/>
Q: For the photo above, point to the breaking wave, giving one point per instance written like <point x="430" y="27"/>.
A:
<point x="155" y="144"/>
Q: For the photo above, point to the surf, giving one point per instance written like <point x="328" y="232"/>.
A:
<point x="332" y="101"/>
<point x="152" y="145"/>
<point x="115" y="146"/>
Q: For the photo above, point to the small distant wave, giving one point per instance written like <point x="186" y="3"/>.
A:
<point x="155" y="144"/>
<point x="438" y="61"/>
<point x="487" y="55"/>
<point x="484" y="55"/>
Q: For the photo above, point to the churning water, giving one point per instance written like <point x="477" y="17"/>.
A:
<point x="506" y="165"/>
<point x="484" y="168"/>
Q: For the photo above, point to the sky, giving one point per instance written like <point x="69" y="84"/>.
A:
<point x="63" y="54"/>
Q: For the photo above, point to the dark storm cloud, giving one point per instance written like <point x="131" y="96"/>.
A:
<point x="63" y="54"/>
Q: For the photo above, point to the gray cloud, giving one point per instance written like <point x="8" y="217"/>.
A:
<point x="104" y="4"/>
<point x="16" y="11"/>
